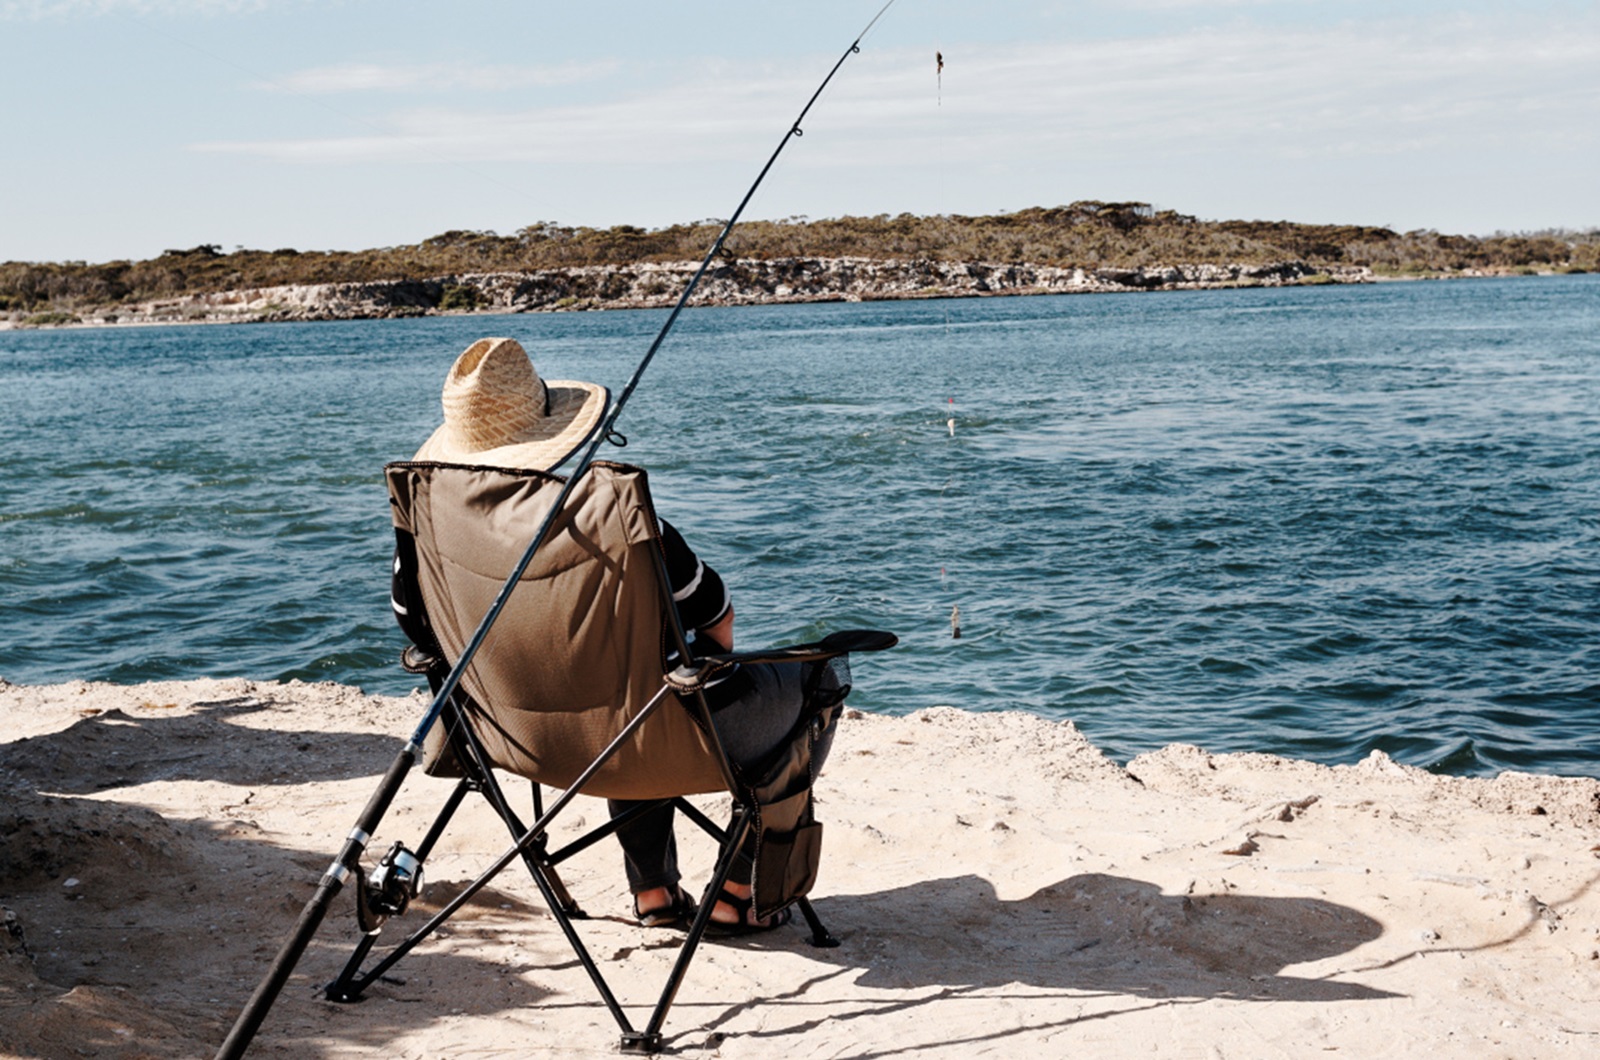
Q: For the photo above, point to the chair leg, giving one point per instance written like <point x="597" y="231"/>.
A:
<point x="470" y="748"/>
<point x="541" y="850"/>
<point x="821" y="938"/>
<point x="351" y="983"/>
<point x="349" y="986"/>
<point x="534" y="855"/>
<point x="650" y="1040"/>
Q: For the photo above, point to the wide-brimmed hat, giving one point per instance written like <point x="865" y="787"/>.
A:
<point x="498" y="412"/>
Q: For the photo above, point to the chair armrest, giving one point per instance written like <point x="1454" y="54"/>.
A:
<point x="840" y="643"/>
<point x="690" y="678"/>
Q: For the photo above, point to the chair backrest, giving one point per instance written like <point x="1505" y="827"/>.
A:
<point x="582" y="643"/>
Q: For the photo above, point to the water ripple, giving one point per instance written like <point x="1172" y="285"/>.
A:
<point x="1317" y="523"/>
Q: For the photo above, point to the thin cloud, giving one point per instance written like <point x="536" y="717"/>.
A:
<point x="1388" y="89"/>
<point x="694" y="120"/>
<point x="1174" y="5"/>
<point x="436" y="77"/>
<point x="1378" y="89"/>
<point x="33" y="10"/>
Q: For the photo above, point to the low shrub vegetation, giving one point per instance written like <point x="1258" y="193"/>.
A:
<point x="458" y="296"/>
<point x="1083" y="234"/>
<point x="48" y="320"/>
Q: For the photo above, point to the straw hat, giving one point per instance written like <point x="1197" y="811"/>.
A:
<point x="498" y="412"/>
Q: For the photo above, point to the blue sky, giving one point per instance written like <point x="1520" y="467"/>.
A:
<point x="131" y="126"/>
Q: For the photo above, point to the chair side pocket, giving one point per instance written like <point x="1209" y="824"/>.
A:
<point x="787" y="854"/>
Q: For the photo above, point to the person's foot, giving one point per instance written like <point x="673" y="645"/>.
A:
<point x="663" y="907"/>
<point x="725" y="913"/>
<point x="734" y="913"/>
<point x="647" y="902"/>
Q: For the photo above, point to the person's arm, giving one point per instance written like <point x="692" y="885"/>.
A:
<point x="704" y="604"/>
<point x="405" y="596"/>
<point x="722" y="631"/>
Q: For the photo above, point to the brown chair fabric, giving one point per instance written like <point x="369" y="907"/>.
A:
<point x="581" y="645"/>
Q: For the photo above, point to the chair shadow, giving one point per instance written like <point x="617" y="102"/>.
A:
<point x="181" y="916"/>
<point x="128" y="750"/>
<point x="1091" y="935"/>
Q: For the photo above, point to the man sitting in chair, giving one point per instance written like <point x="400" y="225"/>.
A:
<point x="499" y="413"/>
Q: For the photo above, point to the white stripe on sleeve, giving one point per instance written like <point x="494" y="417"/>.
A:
<point x="694" y="583"/>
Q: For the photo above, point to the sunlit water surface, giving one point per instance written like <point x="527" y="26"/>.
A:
<point x="1307" y="521"/>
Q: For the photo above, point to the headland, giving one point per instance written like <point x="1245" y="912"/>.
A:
<point x="1087" y="247"/>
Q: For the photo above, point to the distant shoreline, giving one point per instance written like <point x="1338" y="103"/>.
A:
<point x="659" y="285"/>
<point x="1084" y="247"/>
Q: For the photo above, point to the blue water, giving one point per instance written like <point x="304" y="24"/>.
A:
<point x="1313" y="522"/>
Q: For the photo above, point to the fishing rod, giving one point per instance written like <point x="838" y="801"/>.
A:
<point x="348" y="860"/>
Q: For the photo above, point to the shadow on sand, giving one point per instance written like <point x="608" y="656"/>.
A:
<point x="114" y="749"/>
<point x="1088" y="936"/>
<point x="184" y="915"/>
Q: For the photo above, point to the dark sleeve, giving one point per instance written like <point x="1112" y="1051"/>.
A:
<point x="405" y="596"/>
<point x="698" y="590"/>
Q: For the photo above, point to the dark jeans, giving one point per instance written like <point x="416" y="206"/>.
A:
<point x="751" y="727"/>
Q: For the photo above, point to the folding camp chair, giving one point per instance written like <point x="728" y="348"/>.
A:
<point x="586" y="684"/>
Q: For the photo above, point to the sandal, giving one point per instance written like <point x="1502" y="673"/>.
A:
<point x="743" y="926"/>
<point x="678" y="913"/>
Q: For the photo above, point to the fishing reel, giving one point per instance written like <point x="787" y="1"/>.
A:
<point x="388" y="890"/>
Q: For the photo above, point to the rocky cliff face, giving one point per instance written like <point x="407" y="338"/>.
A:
<point x="738" y="282"/>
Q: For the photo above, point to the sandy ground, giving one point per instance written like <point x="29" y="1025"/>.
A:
<point x="1000" y="887"/>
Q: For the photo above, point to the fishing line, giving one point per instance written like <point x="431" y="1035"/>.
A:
<point x="347" y="863"/>
<point x="608" y="425"/>
<point x="941" y="124"/>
